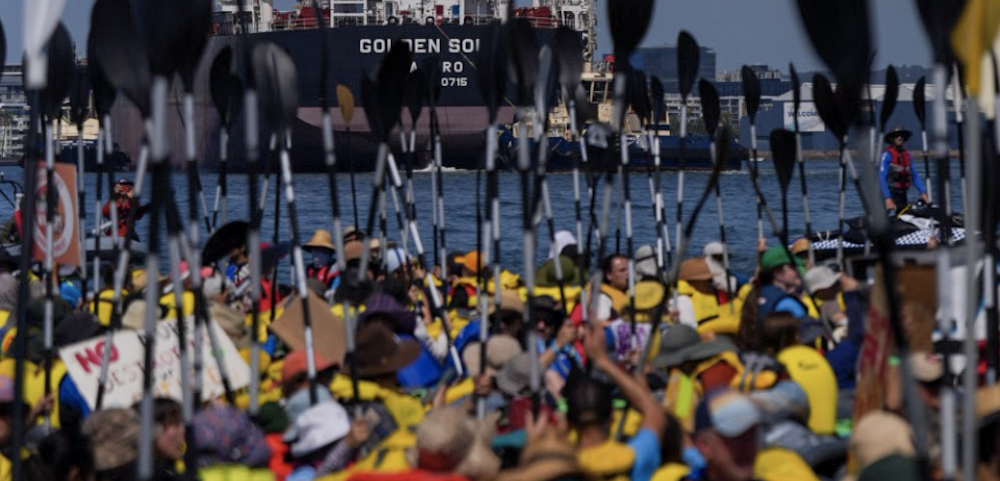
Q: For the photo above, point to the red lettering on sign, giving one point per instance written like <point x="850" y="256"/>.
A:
<point x="94" y="356"/>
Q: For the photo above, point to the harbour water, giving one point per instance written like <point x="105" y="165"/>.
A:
<point x="314" y="211"/>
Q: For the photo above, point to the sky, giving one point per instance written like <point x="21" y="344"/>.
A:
<point x="740" y="31"/>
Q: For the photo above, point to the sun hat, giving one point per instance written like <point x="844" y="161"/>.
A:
<point x="776" y="257"/>
<point x="786" y="400"/>
<point x="727" y="412"/>
<point x="481" y="462"/>
<point x="515" y="376"/>
<point x="682" y="343"/>
<point x="444" y="438"/>
<point x="296" y="363"/>
<point x="321" y="239"/>
<point x="125" y="181"/>
<point x="879" y="434"/>
<point x="114" y="435"/>
<point x="509" y="301"/>
<point x="563" y="238"/>
<point x="394" y="258"/>
<point x="75" y="328"/>
<point x="695" y="270"/>
<point x="926" y="366"/>
<point x="319" y="426"/>
<point x="380" y="352"/>
<point x="298" y="403"/>
<point x="382" y="305"/>
<point x="896" y="132"/>
<point x="821" y="277"/>
<point x="645" y="262"/>
<point x="471" y="261"/>
<point x="499" y="349"/>
<point x="551" y="456"/>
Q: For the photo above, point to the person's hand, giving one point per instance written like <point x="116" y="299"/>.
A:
<point x="926" y="198"/>
<point x="419" y="273"/>
<point x="761" y="245"/>
<point x="43" y="406"/>
<point x="484" y="384"/>
<point x="848" y="283"/>
<point x="594" y="343"/>
<point x="358" y="434"/>
<point x="566" y="334"/>
<point x="889" y="204"/>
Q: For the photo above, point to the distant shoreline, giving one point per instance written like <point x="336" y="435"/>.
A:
<point x="833" y="154"/>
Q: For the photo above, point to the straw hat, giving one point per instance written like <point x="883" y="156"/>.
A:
<point x="114" y="434"/>
<point x="695" y="270"/>
<point x="551" y="456"/>
<point x="320" y="239"/>
<point x="499" y="349"/>
<point x="879" y="434"/>
<point x="800" y="245"/>
<point x="444" y="438"/>
<point x="509" y="301"/>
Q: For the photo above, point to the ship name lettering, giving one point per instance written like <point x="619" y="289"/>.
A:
<point x="452" y="67"/>
<point x="466" y="45"/>
<point x="383" y="45"/>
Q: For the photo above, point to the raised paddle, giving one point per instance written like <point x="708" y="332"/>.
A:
<point x="783" y="151"/>
<point x="828" y="106"/>
<point x="797" y="103"/>
<point x="920" y="110"/>
<point x="991" y="217"/>
<point x="198" y="22"/>
<point x="712" y="113"/>
<point x="751" y="92"/>
<point x="79" y="102"/>
<point x="227" y="96"/>
<point x="889" y="99"/>
<point x="663" y="254"/>
<point x="345" y="100"/>
<point x="688" y="60"/>
<point x="569" y="52"/>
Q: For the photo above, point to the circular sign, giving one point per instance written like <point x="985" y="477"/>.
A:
<point x="64" y="220"/>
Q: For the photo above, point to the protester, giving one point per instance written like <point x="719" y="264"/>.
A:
<point x="612" y="298"/>
<point x="124" y="204"/>
<point x="323" y="266"/>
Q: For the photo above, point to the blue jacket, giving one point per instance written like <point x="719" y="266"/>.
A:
<point x="883" y="174"/>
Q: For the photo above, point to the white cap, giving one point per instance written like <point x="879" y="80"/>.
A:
<point x="320" y="426"/>
<point x="563" y="238"/>
<point x="821" y="277"/>
<point x="394" y="258"/>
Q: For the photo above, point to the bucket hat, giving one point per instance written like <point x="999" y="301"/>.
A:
<point x="321" y="239"/>
<point x="682" y="343"/>
<point x="380" y="352"/>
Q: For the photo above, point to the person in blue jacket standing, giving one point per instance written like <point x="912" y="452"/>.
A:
<point x="896" y="172"/>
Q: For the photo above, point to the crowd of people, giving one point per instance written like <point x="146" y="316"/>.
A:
<point x="725" y="376"/>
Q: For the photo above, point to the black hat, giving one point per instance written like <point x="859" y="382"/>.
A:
<point x="897" y="132"/>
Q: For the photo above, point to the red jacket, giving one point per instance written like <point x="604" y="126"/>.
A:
<point x="123" y="205"/>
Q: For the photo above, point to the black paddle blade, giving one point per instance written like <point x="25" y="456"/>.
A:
<point x="827" y="106"/>
<point x="163" y="24"/>
<point x="226" y="88"/>
<point x="638" y="95"/>
<point x="522" y="58"/>
<point x="415" y="95"/>
<point x="585" y="111"/>
<point x="104" y="93"/>
<point x="569" y="51"/>
<point x="710" y="109"/>
<point x="3" y="46"/>
<point x="751" y="91"/>
<point x="890" y="97"/>
<point x="939" y="18"/>
<point x="224" y="241"/>
<point x="656" y="98"/>
<point x="840" y="33"/>
<point x="783" y="153"/>
<point x="198" y="22"/>
<point x="119" y="52"/>
<point x="277" y="83"/>
<point x="79" y="95"/>
<point x="688" y="60"/>
<point x="920" y="102"/>
<point x="629" y="20"/>
<point x="432" y="74"/>
<point x="547" y="86"/>
<point x="62" y="65"/>
<point x="492" y="69"/>
<point x="391" y="85"/>
<point x="369" y="99"/>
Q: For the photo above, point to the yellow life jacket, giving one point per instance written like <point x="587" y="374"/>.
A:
<point x="4" y="316"/>
<point x="681" y="398"/>
<point x="706" y="306"/>
<point x="619" y="299"/>
<point x="234" y="472"/>
<point x="671" y="472"/>
<point x="572" y="294"/>
<point x="34" y="384"/>
<point x="813" y="311"/>
<point x="466" y="387"/>
<point x="170" y="301"/>
<point x="779" y="464"/>
<point x="105" y="306"/>
<point x="812" y="371"/>
<point x="633" y="421"/>
<point x="6" y="468"/>
<point x="407" y="412"/>
<point x="610" y="460"/>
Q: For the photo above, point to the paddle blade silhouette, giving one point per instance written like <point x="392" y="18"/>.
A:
<point x="890" y="96"/>
<point x="709" y="106"/>
<point x="345" y="100"/>
<point x="277" y="83"/>
<point x="120" y="53"/>
<point x="827" y="106"/>
<point x="638" y="95"/>
<point x="629" y="21"/>
<point x="569" y="51"/>
<point x="163" y="24"/>
<point x="414" y="94"/>
<point x="61" y="69"/>
<point x="391" y="85"/>
<point x="656" y="98"/>
<point x="751" y="91"/>
<point x="920" y="102"/>
<point x="79" y="95"/>
<point x="198" y="22"/>
<point x="492" y="72"/>
<point x="840" y="33"/>
<point x="41" y="17"/>
<point x="939" y="18"/>
<point x="688" y="60"/>
<point x="226" y="88"/>
<point x="783" y="152"/>
<point x="522" y="58"/>
<point x="3" y="47"/>
<point x="432" y="73"/>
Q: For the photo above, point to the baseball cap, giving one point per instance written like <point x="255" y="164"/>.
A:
<point x="394" y="258"/>
<point x="727" y="412"/>
<point x="800" y="245"/>
<point x="776" y="257"/>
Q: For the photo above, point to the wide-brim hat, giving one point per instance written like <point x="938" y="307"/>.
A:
<point x="515" y="376"/>
<point x="383" y="305"/>
<point x="550" y="456"/>
<point x="321" y="239"/>
<point x="695" y="270"/>
<point x="896" y="132"/>
<point x="380" y="352"/>
<point x="682" y="343"/>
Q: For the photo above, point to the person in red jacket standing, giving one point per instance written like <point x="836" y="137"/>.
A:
<point x="124" y="203"/>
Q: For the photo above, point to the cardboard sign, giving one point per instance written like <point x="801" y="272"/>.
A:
<point x="328" y="330"/>
<point x="873" y="361"/>
<point x="64" y="230"/>
<point x="125" y="375"/>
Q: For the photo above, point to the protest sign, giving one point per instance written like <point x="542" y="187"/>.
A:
<point x="65" y="234"/>
<point x="124" y="384"/>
